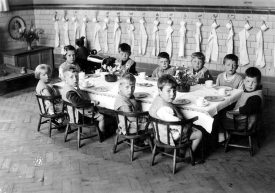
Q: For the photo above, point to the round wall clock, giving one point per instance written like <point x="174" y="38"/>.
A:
<point x="16" y="24"/>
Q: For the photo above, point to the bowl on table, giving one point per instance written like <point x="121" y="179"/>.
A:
<point x="111" y="77"/>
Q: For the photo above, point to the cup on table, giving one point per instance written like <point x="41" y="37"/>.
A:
<point x="97" y="71"/>
<point x="209" y="83"/>
<point x="142" y="75"/>
<point x="201" y="102"/>
<point x="222" y="91"/>
<point x="81" y="75"/>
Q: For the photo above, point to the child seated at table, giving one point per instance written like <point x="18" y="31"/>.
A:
<point x="230" y="77"/>
<point x="71" y="93"/>
<point x="198" y="70"/>
<point x="251" y="101"/>
<point x="81" y="56"/>
<point x="163" y="108"/>
<point x="164" y="66"/>
<point x="69" y="54"/>
<point x="124" y="62"/>
<point x="43" y="73"/>
<point x="126" y="102"/>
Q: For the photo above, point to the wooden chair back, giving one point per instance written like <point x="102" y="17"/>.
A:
<point x="45" y="101"/>
<point x="73" y="112"/>
<point x="163" y="131"/>
<point x="123" y="118"/>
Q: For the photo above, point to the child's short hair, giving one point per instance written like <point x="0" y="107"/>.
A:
<point x="124" y="48"/>
<point x="80" y="42"/>
<point x="128" y="77"/>
<point x="198" y="55"/>
<point x="166" y="79"/>
<point x="70" y="68"/>
<point x="66" y="49"/>
<point x="164" y="55"/>
<point x="232" y="57"/>
<point x="254" y="72"/>
<point x="41" y="68"/>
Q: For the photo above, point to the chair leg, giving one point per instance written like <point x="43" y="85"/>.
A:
<point x="132" y="150"/>
<point x="174" y="161"/>
<point x="39" y="123"/>
<point x="100" y="135"/>
<point x="115" y="144"/>
<point x="50" y="128"/>
<point x="66" y="132"/>
<point x="154" y="154"/>
<point x="191" y="154"/>
<point x="150" y="143"/>
<point x="258" y="139"/>
<point x="251" y="149"/>
<point x="227" y="142"/>
<point x="78" y="137"/>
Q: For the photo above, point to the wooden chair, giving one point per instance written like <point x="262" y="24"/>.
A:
<point x="52" y="119"/>
<point x="77" y="121"/>
<point x="182" y="143"/>
<point x="129" y="137"/>
<point x="243" y="127"/>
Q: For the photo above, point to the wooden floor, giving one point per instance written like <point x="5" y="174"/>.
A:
<point x="31" y="162"/>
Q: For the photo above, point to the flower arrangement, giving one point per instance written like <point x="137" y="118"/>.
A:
<point x="29" y="35"/>
<point x="185" y="79"/>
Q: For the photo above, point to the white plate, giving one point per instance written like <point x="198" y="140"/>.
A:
<point x="140" y="95"/>
<point x="181" y="101"/>
<point x="214" y="98"/>
<point x="227" y="88"/>
<point x="100" y="89"/>
<point x="145" y="84"/>
<point x="225" y="95"/>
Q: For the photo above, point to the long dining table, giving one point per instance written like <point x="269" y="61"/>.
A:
<point x="146" y="90"/>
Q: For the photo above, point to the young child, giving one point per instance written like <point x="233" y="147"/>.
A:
<point x="251" y="101"/>
<point x="164" y="66"/>
<point x="72" y="94"/>
<point x="69" y="53"/>
<point x="163" y="108"/>
<point x="198" y="70"/>
<point x="82" y="54"/>
<point x="125" y="64"/>
<point x="230" y="77"/>
<point x="43" y="73"/>
<point x="125" y="101"/>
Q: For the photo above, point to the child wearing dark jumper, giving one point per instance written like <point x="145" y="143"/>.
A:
<point x="251" y="101"/>
<point x="124" y="63"/>
<point x="72" y="94"/>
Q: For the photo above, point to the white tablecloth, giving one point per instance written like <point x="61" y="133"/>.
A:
<point x="205" y="114"/>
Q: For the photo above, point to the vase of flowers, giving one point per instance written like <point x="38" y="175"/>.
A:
<point x="185" y="80"/>
<point x="29" y="35"/>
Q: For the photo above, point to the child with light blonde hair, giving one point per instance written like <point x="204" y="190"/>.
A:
<point x="126" y="102"/>
<point x="43" y="72"/>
